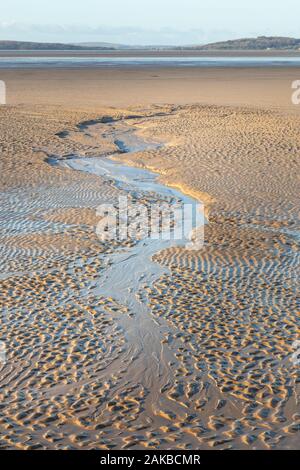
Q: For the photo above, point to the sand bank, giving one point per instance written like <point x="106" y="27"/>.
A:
<point x="90" y="88"/>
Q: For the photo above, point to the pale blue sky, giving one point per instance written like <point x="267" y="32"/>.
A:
<point x="147" y="21"/>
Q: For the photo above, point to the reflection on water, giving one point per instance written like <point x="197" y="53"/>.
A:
<point x="70" y="62"/>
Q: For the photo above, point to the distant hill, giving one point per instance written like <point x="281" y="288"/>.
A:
<point x="150" y="47"/>
<point x="100" y="45"/>
<point x="259" y="43"/>
<point x="45" y="46"/>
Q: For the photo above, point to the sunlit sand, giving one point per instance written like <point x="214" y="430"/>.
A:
<point x="195" y="354"/>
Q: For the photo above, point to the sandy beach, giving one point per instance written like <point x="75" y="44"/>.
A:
<point x="90" y="88"/>
<point x="199" y="357"/>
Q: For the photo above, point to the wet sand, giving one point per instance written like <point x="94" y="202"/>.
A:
<point x="88" y="88"/>
<point x="202" y="358"/>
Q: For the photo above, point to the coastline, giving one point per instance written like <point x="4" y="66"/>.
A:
<point x="153" y="53"/>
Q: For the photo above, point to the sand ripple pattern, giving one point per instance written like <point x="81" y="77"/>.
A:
<point x="218" y="326"/>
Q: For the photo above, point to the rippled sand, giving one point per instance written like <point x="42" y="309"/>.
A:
<point x="208" y="364"/>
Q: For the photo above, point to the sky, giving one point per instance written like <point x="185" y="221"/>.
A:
<point x="145" y="22"/>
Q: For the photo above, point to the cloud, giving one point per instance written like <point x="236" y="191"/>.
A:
<point x="118" y="34"/>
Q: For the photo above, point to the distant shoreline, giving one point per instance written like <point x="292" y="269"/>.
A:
<point x="150" y="53"/>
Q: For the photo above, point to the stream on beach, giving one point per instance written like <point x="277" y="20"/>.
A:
<point x="131" y="270"/>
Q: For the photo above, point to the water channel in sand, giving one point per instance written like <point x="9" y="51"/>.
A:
<point x="130" y="270"/>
